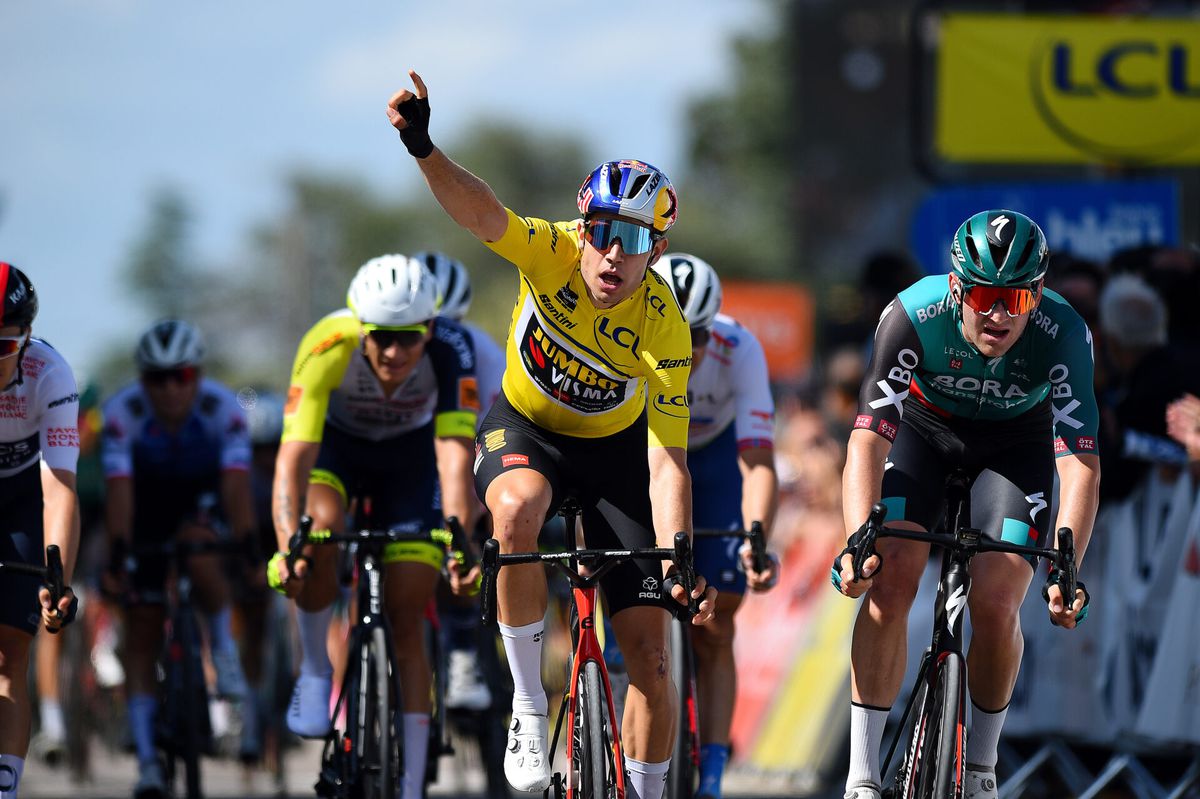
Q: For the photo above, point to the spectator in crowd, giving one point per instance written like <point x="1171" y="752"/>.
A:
<point x="1174" y="272"/>
<point x="1148" y="373"/>
<point x="1183" y="424"/>
<point x="1080" y="281"/>
<point x="840" y="381"/>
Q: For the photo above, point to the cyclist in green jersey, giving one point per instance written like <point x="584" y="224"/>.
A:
<point x="990" y="371"/>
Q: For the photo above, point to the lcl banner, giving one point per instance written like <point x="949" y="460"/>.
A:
<point x="1068" y="89"/>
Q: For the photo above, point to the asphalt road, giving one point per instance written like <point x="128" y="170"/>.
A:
<point x="113" y="776"/>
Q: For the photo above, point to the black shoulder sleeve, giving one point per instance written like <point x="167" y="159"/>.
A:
<point x="895" y="356"/>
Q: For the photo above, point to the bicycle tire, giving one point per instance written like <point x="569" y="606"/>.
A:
<point x="76" y="680"/>
<point x="595" y="773"/>
<point x="376" y="726"/>
<point x="934" y="767"/>
<point x="194" y="701"/>
<point x="685" y="758"/>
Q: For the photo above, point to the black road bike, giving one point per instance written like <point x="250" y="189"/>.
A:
<point x="933" y="764"/>
<point x="365" y="760"/>
<point x="183" y="728"/>
<point x="683" y="779"/>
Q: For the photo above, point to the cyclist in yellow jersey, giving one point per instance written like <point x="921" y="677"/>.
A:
<point x="381" y="409"/>
<point x="594" y="404"/>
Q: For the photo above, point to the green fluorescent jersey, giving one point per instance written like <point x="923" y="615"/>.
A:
<point x="921" y="356"/>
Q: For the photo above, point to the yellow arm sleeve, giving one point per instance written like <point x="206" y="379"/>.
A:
<point x="321" y="362"/>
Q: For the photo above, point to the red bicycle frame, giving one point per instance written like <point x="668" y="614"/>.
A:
<point x="588" y="648"/>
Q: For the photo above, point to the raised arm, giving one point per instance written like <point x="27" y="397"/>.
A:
<point x="466" y="199"/>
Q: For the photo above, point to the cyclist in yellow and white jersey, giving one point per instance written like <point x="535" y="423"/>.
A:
<point x="594" y="404"/>
<point x="381" y="409"/>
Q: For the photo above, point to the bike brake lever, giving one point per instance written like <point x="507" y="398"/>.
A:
<point x="459" y="543"/>
<point x="1068" y="581"/>
<point x="296" y="543"/>
<point x="487" y="599"/>
<point x="865" y="548"/>
<point x="687" y="570"/>
<point x="758" y="547"/>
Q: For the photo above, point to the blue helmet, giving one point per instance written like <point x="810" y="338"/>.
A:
<point x="632" y="190"/>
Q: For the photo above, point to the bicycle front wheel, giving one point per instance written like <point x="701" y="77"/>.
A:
<point x="935" y="766"/>
<point x="685" y="760"/>
<point x="595" y="769"/>
<point x="379" y="762"/>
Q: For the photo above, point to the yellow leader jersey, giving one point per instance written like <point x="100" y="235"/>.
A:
<point x="583" y="371"/>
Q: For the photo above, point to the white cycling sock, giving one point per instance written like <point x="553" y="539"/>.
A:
<point x="11" y="767"/>
<point x="984" y="735"/>
<point x="416" y="747"/>
<point x="866" y="734"/>
<point x="51" y="714"/>
<point x="646" y="780"/>
<point x="142" y="708"/>
<point x="314" y="652"/>
<point x="220" y="631"/>
<point x="523" y="645"/>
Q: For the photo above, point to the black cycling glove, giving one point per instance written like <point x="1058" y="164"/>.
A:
<point x="415" y="136"/>
<point x="1055" y="578"/>
<point x="852" y="545"/>
<point x="72" y="610"/>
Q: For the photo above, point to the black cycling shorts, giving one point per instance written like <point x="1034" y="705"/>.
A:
<point x="162" y="504"/>
<point x="21" y="541"/>
<point x="1012" y="461"/>
<point x="609" y="476"/>
<point x="397" y="475"/>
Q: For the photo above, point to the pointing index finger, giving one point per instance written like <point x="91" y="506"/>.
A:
<point x="422" y="92"/>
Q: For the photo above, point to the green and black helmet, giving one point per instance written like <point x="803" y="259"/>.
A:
<point x="999" y="248"/>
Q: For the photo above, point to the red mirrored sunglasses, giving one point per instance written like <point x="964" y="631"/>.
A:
<point x="1017" y="299"/>
<point x="180" y="374"/>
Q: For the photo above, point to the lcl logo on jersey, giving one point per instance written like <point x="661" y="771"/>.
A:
<point x="626" y="340"/>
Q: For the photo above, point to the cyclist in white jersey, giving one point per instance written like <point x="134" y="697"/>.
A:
<point x="466" y="688"/>
<point x="176" y="457"/>
<point x="731" y="458"/>
<point x="39" y="449"/>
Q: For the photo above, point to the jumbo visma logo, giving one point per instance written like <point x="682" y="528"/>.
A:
<point x="1127" y="92"/>
<point x="564" y="376"/>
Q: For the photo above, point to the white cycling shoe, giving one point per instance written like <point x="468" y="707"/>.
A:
<point x="308" y="712"/>
<point x="526" y="764"/>
<point x="864" y="790"/>
<point x="981" y="782"/>
<point x="465" y="688"/>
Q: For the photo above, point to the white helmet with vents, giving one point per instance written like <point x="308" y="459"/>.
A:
<point x="453" y="282"/>
<point x="695" y="284"/>
<point x="393" y="291"/>
<point x="169" y="344"/>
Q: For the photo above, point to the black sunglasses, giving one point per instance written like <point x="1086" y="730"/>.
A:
<point x="407" y="339"/>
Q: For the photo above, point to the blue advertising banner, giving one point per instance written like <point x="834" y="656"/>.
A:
<point x="1087" y="219"/>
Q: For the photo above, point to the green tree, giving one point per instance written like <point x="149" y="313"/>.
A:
<point x="161" y="270"/>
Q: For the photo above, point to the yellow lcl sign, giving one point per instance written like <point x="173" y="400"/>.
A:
<point x="1068" y="90"/>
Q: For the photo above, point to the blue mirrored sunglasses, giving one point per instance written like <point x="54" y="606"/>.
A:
<point x="635" y="239"/>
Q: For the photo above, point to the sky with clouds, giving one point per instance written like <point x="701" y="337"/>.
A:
<point x="107" y="100"/>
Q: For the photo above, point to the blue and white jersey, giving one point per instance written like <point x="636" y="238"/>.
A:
<point x="731" y="386"/>
<point x="215" y="438"/>
<point x="39" y="418"/>
<point x="489" y="367"/>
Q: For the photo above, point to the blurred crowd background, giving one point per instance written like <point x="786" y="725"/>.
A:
<point x="825" y="171"/>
